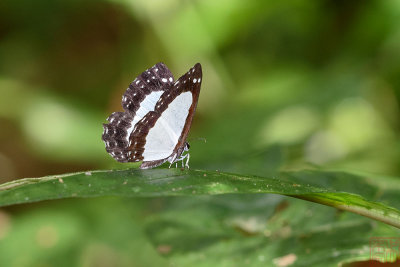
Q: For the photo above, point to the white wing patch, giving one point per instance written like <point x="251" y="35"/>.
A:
<point x="163" y="137"/>
<point x="147" y="105"/>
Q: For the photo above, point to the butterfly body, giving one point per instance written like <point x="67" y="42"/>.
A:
<point x="158" y="113"/>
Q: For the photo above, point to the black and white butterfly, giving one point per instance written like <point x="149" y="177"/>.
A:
<point x="158" y="113"/>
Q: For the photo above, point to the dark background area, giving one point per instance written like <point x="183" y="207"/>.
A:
<point x="311" y="82"/>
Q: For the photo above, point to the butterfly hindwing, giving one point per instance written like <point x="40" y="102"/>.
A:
<point x="156" y="79"/>
<point x="137" y="101"/>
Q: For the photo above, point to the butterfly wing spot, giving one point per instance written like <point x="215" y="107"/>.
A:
<point x="138" y="81"/>
<point x="170" y="79"/>
<point x="164" y="80"/>
<point x="194" y="80"/>
<point x="199" y="80"/>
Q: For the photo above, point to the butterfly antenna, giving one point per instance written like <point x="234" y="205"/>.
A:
<point x="198" y="139"/>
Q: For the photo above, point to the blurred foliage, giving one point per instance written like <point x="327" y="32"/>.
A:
<point x="287" y="85"/>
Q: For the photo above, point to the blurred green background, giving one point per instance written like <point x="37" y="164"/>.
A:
<point x="287" y="85"/>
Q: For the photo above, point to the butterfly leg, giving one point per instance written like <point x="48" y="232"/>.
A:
<point x="172" y="160"/>
<point x="182" y="158"/>
<point x="187" y="160"/>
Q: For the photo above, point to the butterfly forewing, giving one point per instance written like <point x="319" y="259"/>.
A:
<point x="170" y="130"/>
<point x="164" y="135"/>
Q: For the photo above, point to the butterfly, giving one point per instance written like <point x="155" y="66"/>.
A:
<point x="158" y="113"/>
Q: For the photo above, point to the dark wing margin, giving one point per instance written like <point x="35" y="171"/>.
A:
<point x="152" y="164"/>
<point x="114" y="135"/>
<point x="190" y="81"/>
<point x="157" y="78"/>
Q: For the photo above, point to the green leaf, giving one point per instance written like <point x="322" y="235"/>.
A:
<point x="177" y="182"/>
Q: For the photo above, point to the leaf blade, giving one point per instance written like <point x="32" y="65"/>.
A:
<point x="177" y="182"/>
